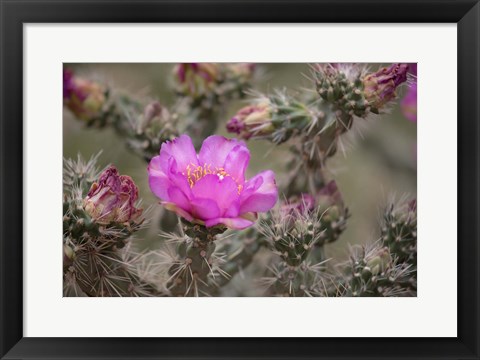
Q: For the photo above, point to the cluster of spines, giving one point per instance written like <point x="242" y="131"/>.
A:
<point x="292" y="236"/>
<point x="399" y="231"/>
<point x="389" y="266"/>
<point x="304" y="280"/>
<point x="374" y="271"/>
<point x="343" y="88"/>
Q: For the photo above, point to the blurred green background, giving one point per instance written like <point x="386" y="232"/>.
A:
<point x="379" y="162"/>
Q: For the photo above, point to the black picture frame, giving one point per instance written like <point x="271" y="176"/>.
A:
<point x="15" y="13"/>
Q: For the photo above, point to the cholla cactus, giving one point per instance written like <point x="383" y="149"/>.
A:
<point x="96" y="226"/>
<point x="345" y="91"/>
<point x="201" y="179"/>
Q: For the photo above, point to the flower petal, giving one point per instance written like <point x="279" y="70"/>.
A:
<point x="163" y="175"/>
<point x="223" y="190"/>
<point x="409" y="103"/>
<point x="215" y="150"/>
<point x="232" y="223"/>
<point x="155" y="166"/>
<point x="179" y="198"/>
<point x="179" y="211"/>
<point x="236" y="163"/>
<point x="179" y="179"/>
<point x="259" y="196"/>
<point x="204" y="209"/>
<point x="182" y="150"/>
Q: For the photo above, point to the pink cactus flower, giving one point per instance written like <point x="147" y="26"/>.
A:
<point x="210" y="188"/>
<point x="112" y="199"/>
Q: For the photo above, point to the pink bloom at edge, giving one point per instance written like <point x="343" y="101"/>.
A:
<point x="210" y="188"/>
<point x="409" y="102"/>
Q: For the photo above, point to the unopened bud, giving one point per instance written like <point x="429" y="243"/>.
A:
<point x="379" y="87"/>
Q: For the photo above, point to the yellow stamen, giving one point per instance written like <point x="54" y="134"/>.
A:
<point x="196" y="172"/>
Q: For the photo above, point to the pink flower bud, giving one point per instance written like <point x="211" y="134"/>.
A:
<point x="380" y="86"/>
<point x="196" y="79"/>
<point x="253" y="120"/>
<point x="84" y="98"/>
<point x="112" y="199"/>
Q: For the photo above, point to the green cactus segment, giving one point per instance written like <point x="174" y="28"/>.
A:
<point x="294" y="246"/>
<point x="389" y="267"/>
<point x="95" y="266"/>
<point x="190" y="273"/>
<point x="399" y="232"/>
<point x="346" y="93"/>
<point x="289" y="116"/>
<point x="295" y="281"/>
<point x="334" y="213"/>
<point x="334" y="223"/>
<point x="293" y="236"/>
<point x="374" y="272"/>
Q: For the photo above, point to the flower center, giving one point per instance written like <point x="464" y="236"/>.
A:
<point x="196" y="172"/>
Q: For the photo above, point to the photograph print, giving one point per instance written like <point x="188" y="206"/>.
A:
<point x="240" y="179"/>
